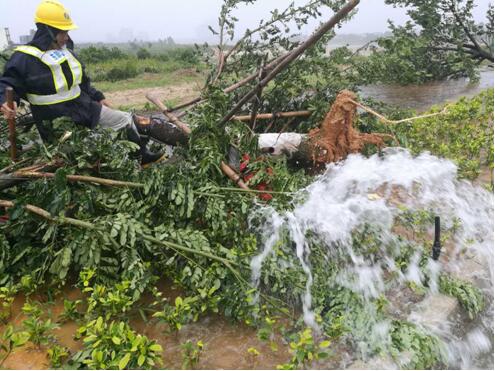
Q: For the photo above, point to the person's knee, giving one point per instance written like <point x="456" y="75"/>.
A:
<point x="114" y="119"/>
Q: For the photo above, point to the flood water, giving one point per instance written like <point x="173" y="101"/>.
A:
<point x="226" y="343"/>
<point x="422" y="97"/>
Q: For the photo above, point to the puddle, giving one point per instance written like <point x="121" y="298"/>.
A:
<point x="226" y="343"/>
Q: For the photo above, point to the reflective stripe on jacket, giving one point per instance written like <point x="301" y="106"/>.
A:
<point x="54" y="59"/>
<point x="28" y="74"/>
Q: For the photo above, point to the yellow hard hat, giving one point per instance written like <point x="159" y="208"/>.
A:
<point x="54" y="14"/>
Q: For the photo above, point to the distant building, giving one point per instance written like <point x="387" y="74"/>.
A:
<point x="24" y="39"/>
<point x="5" y="40"/>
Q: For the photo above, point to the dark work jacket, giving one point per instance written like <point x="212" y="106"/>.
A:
<point x="27" y="74"/>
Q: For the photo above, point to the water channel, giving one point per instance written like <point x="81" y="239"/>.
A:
<point x="421" y="97"/>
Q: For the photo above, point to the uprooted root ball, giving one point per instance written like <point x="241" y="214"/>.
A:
<point x="336" y="137"/>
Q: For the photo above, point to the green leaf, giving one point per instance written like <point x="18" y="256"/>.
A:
<point x="20" y="338"/>
<point x="116" y="340"/>
<point x="156" y="348"/>
<point x="124" y="361"/>
<point x="325" y="344"/>
<point x="178" y="301"/>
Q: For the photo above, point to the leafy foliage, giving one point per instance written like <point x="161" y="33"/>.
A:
<point x="442" y="40"/>
<point x="185" y="222"/>
<point x="470" y="297"/>
<point x="305" y="350"/>
<point x="39" y="329"/>
<point x="115" y="346"/>
<point x="10" y="340"/>
<point x="464" y="134"/>
<point x="57" y="356"/>
<point x="424" y="350"/>
<point x="191" y="353"/>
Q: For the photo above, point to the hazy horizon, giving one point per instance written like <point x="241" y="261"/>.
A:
<point x="150" y="20"/>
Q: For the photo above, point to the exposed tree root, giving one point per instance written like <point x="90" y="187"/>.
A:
<point x="336" y="138"/>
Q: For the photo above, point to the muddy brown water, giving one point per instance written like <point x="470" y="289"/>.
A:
<point x="226" y="343"/>
<point x="422" y="97"/>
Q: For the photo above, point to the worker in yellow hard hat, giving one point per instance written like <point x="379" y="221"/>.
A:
<point x="47" y="73"/>
<point x="54" y="14"/>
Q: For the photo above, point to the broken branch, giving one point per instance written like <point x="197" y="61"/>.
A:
<point x="292" y="56"/>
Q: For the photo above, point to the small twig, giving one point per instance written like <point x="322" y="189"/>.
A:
<point x="7" y="168"/>
<point x="46" y="215"/>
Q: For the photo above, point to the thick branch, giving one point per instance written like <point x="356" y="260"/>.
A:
<point x="293" y="55"/>
<point x="480" y="50"/>
<point x="232" y="87"/>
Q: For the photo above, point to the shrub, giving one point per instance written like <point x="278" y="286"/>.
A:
<point x="143" y="53"/>
<point x="112" y="346"/>
<point x="185" y="56"/>
<point x="95" y="54"/>
<point x="121" y="72"/>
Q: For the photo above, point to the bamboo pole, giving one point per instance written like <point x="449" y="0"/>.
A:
<point x="268" y="116"/>
<point x="79" y="178"/>
<point x="229" y="189"/>
<point x="337" y="17"/>
<point x="236" y="178"/>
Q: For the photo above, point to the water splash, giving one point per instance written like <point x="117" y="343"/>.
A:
<point x="373" y="191"/>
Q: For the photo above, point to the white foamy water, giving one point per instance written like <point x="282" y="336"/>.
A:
<point x="373" y="191"/>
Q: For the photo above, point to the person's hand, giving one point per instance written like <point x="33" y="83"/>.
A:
<point x="104" y="102"/>
<point x="9" y="113"/>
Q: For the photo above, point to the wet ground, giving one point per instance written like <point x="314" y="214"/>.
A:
<point x="226" y="343"/>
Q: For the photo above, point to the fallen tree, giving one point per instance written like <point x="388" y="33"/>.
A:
<point x="185" y="221"/>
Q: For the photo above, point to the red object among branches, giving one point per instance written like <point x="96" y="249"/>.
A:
<point x="247" y="175"/>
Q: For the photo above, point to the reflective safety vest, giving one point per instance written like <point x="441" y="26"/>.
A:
<point x="54" y="59"/>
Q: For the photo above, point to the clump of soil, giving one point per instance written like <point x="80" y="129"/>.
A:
<point x="336" y="137"/>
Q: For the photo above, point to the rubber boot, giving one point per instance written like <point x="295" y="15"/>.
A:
<point x="160" y="130"/>
<point x="147" y="157"/>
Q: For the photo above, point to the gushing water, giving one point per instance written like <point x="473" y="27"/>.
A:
<point x="374" y="191"/>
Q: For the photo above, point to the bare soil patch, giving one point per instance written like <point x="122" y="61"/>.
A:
<point x="179" y="92"/>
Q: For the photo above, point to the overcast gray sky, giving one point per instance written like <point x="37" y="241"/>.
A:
<point x="184" y="20"/>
